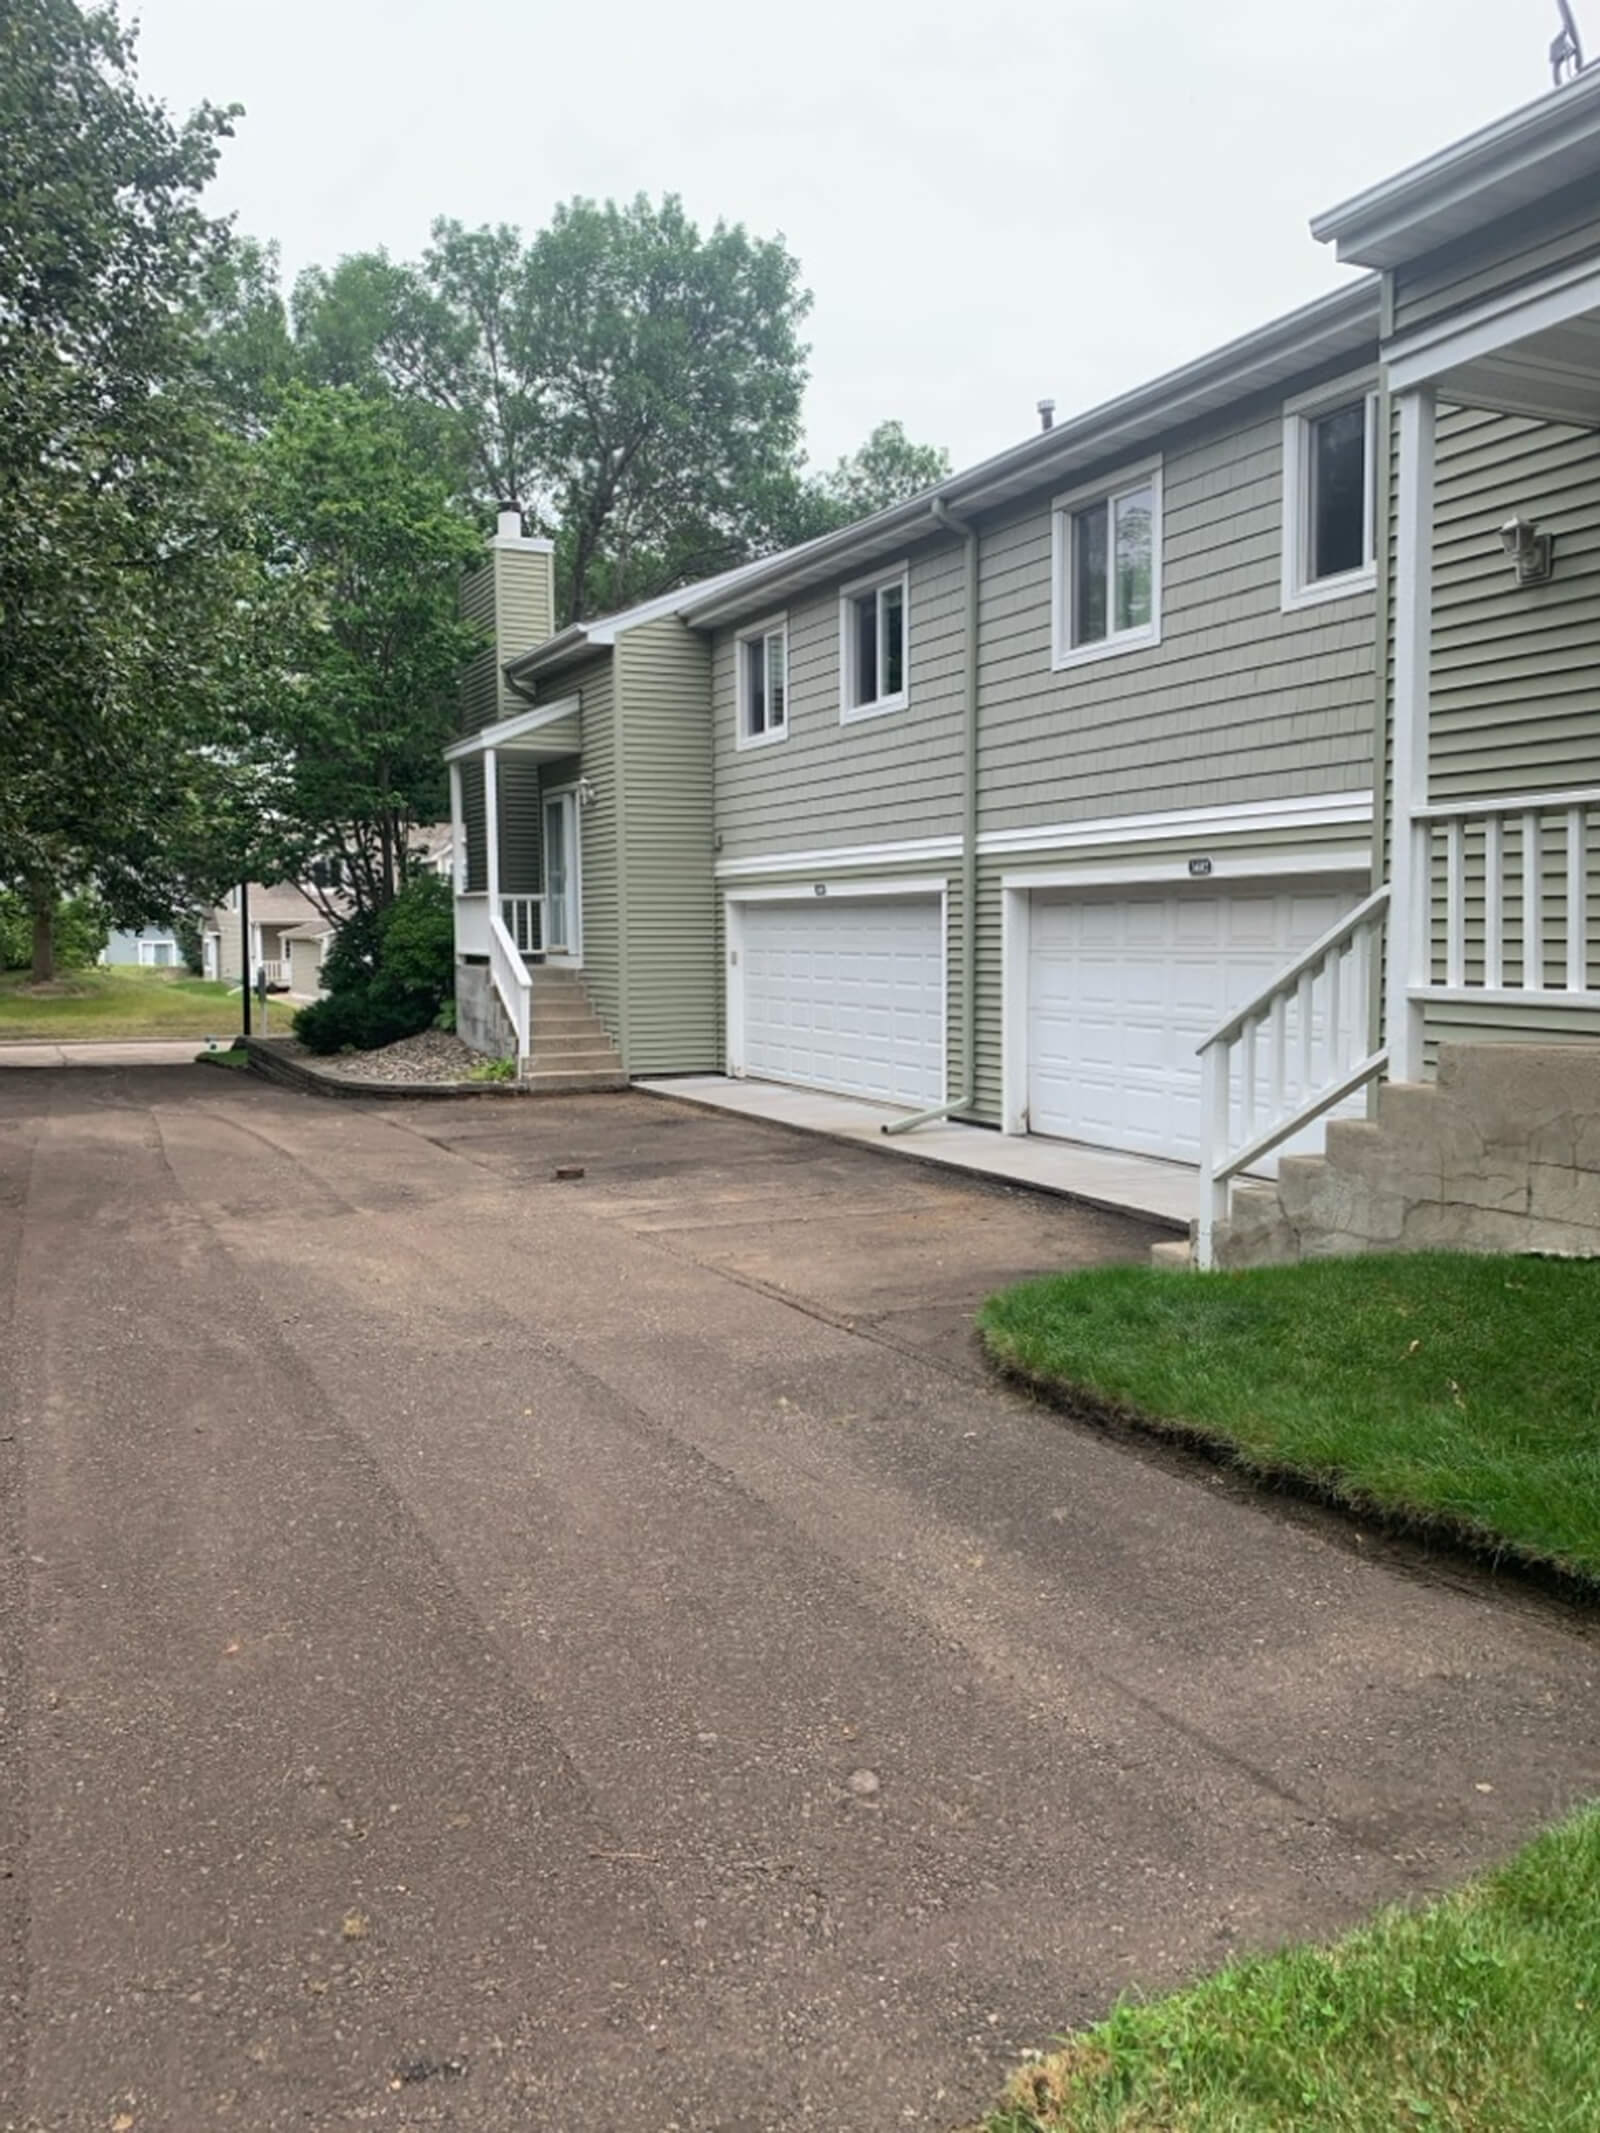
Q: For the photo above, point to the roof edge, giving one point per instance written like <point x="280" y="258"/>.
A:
<point x="1378" y="226"/>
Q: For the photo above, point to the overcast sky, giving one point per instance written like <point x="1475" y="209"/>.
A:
<point x="990" y="202"/>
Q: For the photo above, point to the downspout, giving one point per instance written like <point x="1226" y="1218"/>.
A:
<point x="948" y="523"/>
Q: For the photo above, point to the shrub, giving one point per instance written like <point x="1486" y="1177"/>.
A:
<point x="387" y="973"/>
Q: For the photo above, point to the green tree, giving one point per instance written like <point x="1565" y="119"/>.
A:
<point x="886" y="470"/>
<point x="358" y="642"/>
<point x="631" y="382"/>
<point x="116" y="571"/>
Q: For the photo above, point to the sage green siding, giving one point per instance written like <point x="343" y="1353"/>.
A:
<point x="1559" y="232"/>
<point x="525" y="590"/>
<point x="827" y="783"/>
<point x="480" y="684"/>
<point x="1515" y="695"/>
<point x="663" y="675"/>
<point x="517" y="780"/>
<point x="1240" y="702"/>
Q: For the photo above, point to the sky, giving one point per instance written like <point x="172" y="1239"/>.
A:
<point x="991" y="203"/>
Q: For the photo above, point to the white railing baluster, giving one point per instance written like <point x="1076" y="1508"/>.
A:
<point x="1455" y="903"/>
<point x="1494" y="901"/>
<point x="1307" y="991"/>
<point x="1247" y="1074"/>
<point x="1335" y="1024"/>
<point x="1577" y="901"/>
<point x="1532" y="902"/>
<point x="1277" y="1048"/>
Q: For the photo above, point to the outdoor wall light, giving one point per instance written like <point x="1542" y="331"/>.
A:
<point x="1532" y="553"/>
<point x="585" y="793"/>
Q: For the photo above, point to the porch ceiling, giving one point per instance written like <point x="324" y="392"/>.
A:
<point x="1552" y="375"/>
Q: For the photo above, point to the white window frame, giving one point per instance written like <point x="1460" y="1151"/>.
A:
<point x="1064" y="653"/>
<point x="880" y="583"/>
<point x="1299" y="414"/>
<point x="759" y="632"/>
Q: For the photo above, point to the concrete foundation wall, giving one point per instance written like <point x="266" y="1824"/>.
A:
<point x="480" y="1021"/>
<point x="1500" y="1154"/>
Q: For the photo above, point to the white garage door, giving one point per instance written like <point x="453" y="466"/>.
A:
<point x="1121" y="990"/>
<point x="847" y="996"/>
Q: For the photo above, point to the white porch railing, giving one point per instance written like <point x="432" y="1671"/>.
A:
<point x="272" y="971"/>
<point x="1302" y="1045"/>
<point x="1516" y="896"/>
<point x="524" y="921"/>
<point x="511" y="981"/>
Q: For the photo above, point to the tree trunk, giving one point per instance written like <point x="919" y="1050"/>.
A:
<point x="41" y="895"/>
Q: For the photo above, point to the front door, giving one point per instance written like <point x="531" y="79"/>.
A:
<point x="561" y="900"/>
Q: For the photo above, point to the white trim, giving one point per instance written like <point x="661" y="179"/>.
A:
<point x="507" y="731"/>
<point x="906" y="853"/>
<point x="1170" y="873"/>
<point x="1407" y="960"/>
<point x="572" y="957"/>
<point x="1513" y="315"/>
<point x="879" y="582"/>
<point x="769" y="626"/>
<point x="1504" y="996"/>
<point x="1063" y="508"/>
<point x="912" y="889"/>
<point x="1297" y="590"/>
<point x="1307" y="811"/>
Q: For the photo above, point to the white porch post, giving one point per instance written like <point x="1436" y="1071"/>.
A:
<point x="458" y="833"/>
<point x="1410" y="888"/>
<point x="491" y="831"/>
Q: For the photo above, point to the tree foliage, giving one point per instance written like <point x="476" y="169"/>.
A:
<point x="359" y="642"/>
<point x="888" y="469"/>
<point x="116" y="569"/>
<point x="387" y="973"/>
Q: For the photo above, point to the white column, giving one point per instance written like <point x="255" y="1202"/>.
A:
<point x="1409" y="848"/>
<point x="491" y="832"/>
<point x="458" y="833"/>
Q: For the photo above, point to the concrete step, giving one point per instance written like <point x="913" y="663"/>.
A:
<point x="566" y="1018"/>
<point x="549" y="1081"/>
<point x="593" y="1039"/>
<point x="594" y="1061"/>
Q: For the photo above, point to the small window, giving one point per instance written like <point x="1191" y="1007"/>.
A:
<point x="763" y="655"/>
<point x="873" y="650"/>
<point x="1107" y="544"/>
<point x="1329" y="498"/>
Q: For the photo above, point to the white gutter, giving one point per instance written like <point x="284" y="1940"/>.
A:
<point x="1536" y="149"/>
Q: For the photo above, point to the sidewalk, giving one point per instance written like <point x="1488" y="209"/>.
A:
<point x="1127" y="1184"/>
<point x="104" y="1052"/>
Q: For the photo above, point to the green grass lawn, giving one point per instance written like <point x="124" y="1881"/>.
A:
<point x="1453" y="1392"/>
<point x="1479" y="2014"/>
<point x="84" y="1004"/>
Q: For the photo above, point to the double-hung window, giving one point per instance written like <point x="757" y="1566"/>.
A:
<point x="874" y="646"/>
<point x="763" y="683"/>
<point x="1330" y="468"/>
<point x="1106" y="552"/>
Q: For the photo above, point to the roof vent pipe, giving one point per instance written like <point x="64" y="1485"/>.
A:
<point x="1047" y="414"/>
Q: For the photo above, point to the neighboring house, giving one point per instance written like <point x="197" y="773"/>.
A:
<point x="1010" y="801"/>
<point x="279" y="915"/>
<point x="148" y="947"/>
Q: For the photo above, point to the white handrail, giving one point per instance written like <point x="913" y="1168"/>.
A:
<point x="511" y="982"/>
<point x="1313" y="988"/>
<point x="1509" y="804"/>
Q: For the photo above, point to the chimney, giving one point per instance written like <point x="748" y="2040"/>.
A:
<point x="512" y="597"/>
<point x="1047" y="414"/>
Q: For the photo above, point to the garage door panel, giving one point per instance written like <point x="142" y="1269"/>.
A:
<point x="1123" y="989"/>
<point x="847" y="996"/>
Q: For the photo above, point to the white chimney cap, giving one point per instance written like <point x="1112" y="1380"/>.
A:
<point x="508" y="525"/>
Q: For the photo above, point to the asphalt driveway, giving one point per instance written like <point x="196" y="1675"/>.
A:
<point x="495" y="1652"/>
